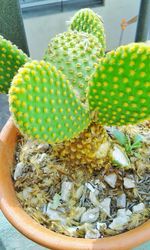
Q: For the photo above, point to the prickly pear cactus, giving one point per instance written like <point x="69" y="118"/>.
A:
<point x="91" y="149"/>
<point x="120" y="88"/>
<point x="11" y="59"/>
<point x="44" y="106"/>
<point x="88" y="21"/>
<point x="76" y="55"/>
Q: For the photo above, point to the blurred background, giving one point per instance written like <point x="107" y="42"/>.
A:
<point x="43" y="19"/>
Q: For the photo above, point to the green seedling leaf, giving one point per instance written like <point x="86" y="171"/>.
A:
<point x="121" y="138"/>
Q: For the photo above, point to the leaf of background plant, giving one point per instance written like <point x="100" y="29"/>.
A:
<point x="121" y="138"/>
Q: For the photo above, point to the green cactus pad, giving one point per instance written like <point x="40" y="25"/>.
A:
<point x="88" y="21"/>
<point x="43" y="104"/>
<point x="11" y="59"/>
<point x="120" y="88"/>
<point x="76" y="55"/>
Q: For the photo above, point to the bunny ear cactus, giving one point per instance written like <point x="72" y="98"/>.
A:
<point x="76" y="55"/>
<point x="57" y="104"/>
<point x="44" y="106"/>
<point x="11" y="59"/>
<point x="120" y="88"/>
<point x="86" y="20"/>
<point x="91" y="149"/>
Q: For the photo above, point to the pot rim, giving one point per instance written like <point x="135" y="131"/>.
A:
<point x="31" y="229"/>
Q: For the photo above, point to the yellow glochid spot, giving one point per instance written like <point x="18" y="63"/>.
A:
<point x="45" y="99"/>
<point x="37" y="98"/>
<point x="64" y="117"/>
<point x="39" y="121"/>
<point x="42" y="128"/>
<point x="128" y="90"/>
<point x="131" y="98"/>
<point x="61" y="110"/>
<point x="112" y="93"/>
<point x="143" y="100"/>
<point x="37" y="110"/>
<point x="45" y="136"/>
<point x="125" y="104"/>
<point x="119" y="109"/>
<point x="37" y="136"/>
<point x="132" y="63"/>
<point x="132" y="72"/>
<point x="45" y="89"/>
<point x="94" y="90"/>
<point x="121" y="62"/>
<point x="142" y="74"/>
<point x="24" y="104"/>
<point x="29" y="87"/>
<point x="115" y="86"/>
<point x="53" y="110"/>
<point x="45" y="110"/>
<point x="105" y="99"/>
<point x="103" y="76"/>
<point x="110" y="69"/>
<point x="34" y="129"/>
<point x="142" y="65"/>
<point x="136" y="83"/>
<point x="140" y="92"/>
<point x="115" y="79"/>
<point x="30" y="108"/>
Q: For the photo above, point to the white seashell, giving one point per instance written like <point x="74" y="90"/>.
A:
<point x="43" y="147"/>
<point x="94" y="199"/>
<point x="79" y="211"/>
<point x="18" y="170"/>
<point x="138" y="208"/>
<point x="101" y="225"/>
<point x="119" y="222"/>
<point x="41" y="158"/>
<point x="90" y="187"/>
<point x="55" y="215"/>
<point x="105" y="205"/>
<point x="128" y="183"/>
<point x="103" y="150"/>
<point x="91" y="215"/>
<point x="111" y="179"/>
<point x="79" y="192"/>
<point x="72" y="231"/>
<point x="66" y="190"/>
<point x="123" y="212"/>
<point x="119" y="157"/>
<point x="26" y="192"/>
<point x="121" y="201"/>
<point x="92" y="234"/>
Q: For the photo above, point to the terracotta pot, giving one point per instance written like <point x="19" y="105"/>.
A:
<point x="34" y="231"/>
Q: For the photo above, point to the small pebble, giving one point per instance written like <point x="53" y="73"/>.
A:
<point x="121" y="201"/>
<point x="92" y="234"/>
<point x="105" y="205"/>
<point x="66" y="190"/>
<point x="128" y="183"/>
<point x="18" y="170"/>
<point x="91" y="215"/>
<point x="111" y="179"/>
<point x="138" y="208"/>
<point x="43" y="148"/>
<point x="101" y="225"/>
<point x="26" y="192"/>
